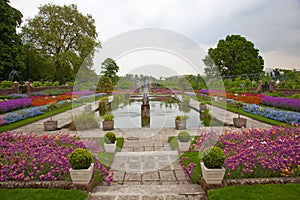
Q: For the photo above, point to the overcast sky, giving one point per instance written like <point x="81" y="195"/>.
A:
<point x="272" y="25"/>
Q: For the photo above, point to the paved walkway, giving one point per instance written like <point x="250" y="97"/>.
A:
<point x="227" y="116"/>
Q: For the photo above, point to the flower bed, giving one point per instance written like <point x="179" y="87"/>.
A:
<point x="31" y="157"/>
<point x="14" y="104"/>
<point x="278" y="115"/>
<point x="255" y="153"/>
<point x="284" y="103"/>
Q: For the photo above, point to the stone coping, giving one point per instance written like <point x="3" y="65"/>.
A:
<point x="249" y="181"/>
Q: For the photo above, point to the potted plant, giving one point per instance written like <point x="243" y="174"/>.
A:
<point x="81" y="166"/>
<point x="212" y="166"/>
<point x="51" y="124"/>
<point x="239" y="122"/>
<point x="183" y="140"/>
<point x="180" y="122"/>
<point x="108" y="122"/>
<point x="110" y="142"/>
<point x="202" y="106"/>
<point x="88" y="108"/>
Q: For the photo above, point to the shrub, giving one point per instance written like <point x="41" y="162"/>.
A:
<point x="213" y="157"/>
<point x="48" y="83"/>
<point x="110" y="138"/>
<point x="6" y="84"/>
<point x="80" y="159"/>
<point x="181" y="117"/>
<point x="183" y="136"/>
<point x="108" y="117"/>
<point x="102" y="107"/>
<point x="84" y="121"/>
<point x="37" y="84"/>
<point x="56" y="83"/>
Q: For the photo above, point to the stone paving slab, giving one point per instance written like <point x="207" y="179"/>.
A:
<point x="142" y="162"/>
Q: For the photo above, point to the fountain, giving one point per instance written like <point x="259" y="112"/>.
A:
<point x="145" y="108"/>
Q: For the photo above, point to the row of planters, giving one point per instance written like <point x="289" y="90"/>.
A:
<point x="213" y="158"/>
<point x="253" y="153"/>
<point x="55" y="157"/>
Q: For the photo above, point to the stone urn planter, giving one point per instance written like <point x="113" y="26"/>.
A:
<point x="82" y="176"/>
<point x="110" y="142"/>
<point x="212" y="166"/>
<point x="183" y="141"/>
<point x="88" y="108"/>
<point x="239" y="122"/>
<point x="81" y="166"/>
<point x="212" y="176"/>
<point x="51" y="125"/>
<point x="108" y="122"/>
<point x="180" y="122"/>
<point x="202" y="107"/>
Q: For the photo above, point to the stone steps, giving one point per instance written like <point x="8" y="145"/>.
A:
<point x="148" y="192"/>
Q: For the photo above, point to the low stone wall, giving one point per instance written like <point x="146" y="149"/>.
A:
<point x="249" y="181"/>
<point x="66" y="185"/>
<point x="39" y="89"/>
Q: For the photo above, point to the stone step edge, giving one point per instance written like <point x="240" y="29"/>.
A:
<point x="149" y="190"/>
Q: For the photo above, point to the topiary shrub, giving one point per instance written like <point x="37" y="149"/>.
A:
<point x="213" y="157"/>
<point x="110" y="138"/>
<point x="183" y="136"/>
<point x="80" y="159"/>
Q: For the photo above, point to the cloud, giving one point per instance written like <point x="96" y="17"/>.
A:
<point x="272" y="25"/>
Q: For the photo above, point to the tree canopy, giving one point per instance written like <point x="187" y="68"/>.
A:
<point x="11" y="49"/>
<point x="233" y="56"/>
<point x="110" y="70"/>
<point x="65" y="36"/>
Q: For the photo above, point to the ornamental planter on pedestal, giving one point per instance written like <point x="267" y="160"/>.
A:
<point x="180" y="122"/>
<point x="212" y="176"/>
<point x="239" y="122"/>
<point x="88" y="108"/>
<point x="202" y="107"/>
<point x="50" y="125"/>
<point x="82" y="176"/>
<point x="108" y="122"/>
<point x="81" y="166"/>
<point x="183" y="141"/>
<point x="110" y="142"/>
<point x="212" y="166"/>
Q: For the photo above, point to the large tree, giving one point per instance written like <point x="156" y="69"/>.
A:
<point x="110" y="70"/>
<point x="233" y="56"/>
<point x="11" y="49"/>
<point x="64" y="35"/>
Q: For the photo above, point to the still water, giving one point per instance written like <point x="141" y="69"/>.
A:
<point x="162" y="115"/>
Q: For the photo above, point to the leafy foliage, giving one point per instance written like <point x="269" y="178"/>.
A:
<point x="110" y="70"/>
<point x="84" y="121"/>
<point x="108" y="117"/>
<point x="11" y="48"/>
<point x="213" y="157"/>
<point x="64" y="37"/>
<point x="183" y="136"/>
<point x="181" y="117"/>
<point x="110" y="138"/>
<point x="80" y="159"/>
<point x="233" y="56"/>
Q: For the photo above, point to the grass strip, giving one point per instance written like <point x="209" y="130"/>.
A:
<point x="41" y="194"/>
<point x="258" y="192"/>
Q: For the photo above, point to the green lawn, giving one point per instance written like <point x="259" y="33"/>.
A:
<point x="192" y="157"/>
<point x="41" y="194"/>
<point x="257" y="192"/>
